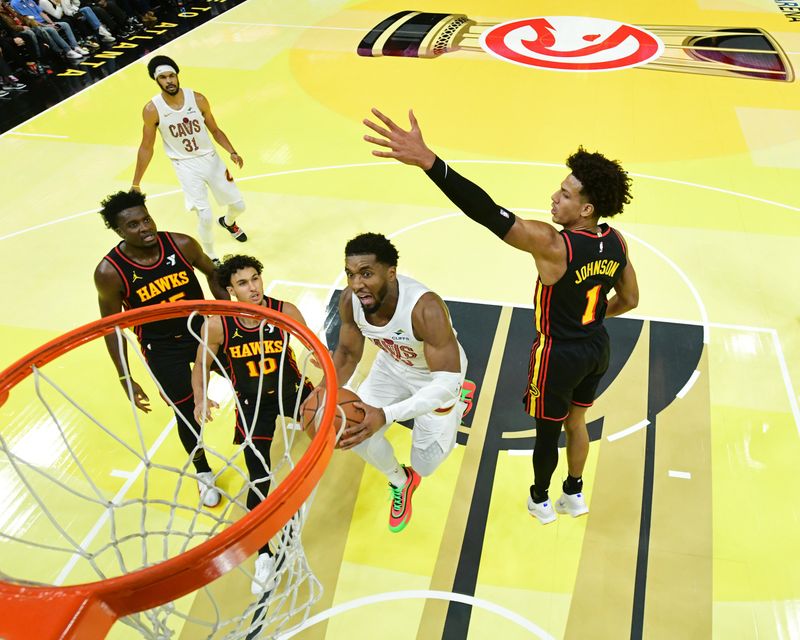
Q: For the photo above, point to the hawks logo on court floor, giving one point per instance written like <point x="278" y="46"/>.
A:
<point x="572" y="43"/>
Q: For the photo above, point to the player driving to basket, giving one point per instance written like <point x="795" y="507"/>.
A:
<point x="417" y="373"/>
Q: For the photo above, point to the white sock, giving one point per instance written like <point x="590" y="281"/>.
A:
<point x="234" y="211"/>
<point x="397" y="476"/>
<point x="205" y="229"/>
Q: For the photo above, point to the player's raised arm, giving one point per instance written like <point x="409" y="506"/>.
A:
<point x="537" y="238"/>
<point x="217" y="133"/>
<point x="194" y="253"/>
<point x="350" y="349"/>
<point x="145" y="153"/>
<point x="109" y="298"/>
<point x="202" y="367"/>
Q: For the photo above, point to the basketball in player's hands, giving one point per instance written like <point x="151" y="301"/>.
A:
<point x="311" y="410"/>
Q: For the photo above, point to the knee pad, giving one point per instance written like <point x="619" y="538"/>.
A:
<point x="205" y="216"/>
<point x="426" y="461"/>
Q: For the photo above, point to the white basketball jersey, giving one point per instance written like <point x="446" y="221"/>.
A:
<point x="184" y="131"/>
<point x="396" y="339"/>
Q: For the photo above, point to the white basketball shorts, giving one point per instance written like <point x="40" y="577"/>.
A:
<point x="197" y="174"/>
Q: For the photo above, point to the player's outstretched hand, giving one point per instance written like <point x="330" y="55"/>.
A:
<point x="140" y="398"/>
<point x="374" y="419"/>
<point x="237" y="159"/>
<point x="406" y="146"/>
<point x="202" y="410"/>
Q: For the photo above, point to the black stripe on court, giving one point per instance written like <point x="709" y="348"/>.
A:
<point x="508" y="415"/>
<point x="675" y="351"/>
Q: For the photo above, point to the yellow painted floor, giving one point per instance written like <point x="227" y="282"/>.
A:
<point x="693" y="527"/>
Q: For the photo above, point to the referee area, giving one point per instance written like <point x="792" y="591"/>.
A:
<point x="695" y="436"/>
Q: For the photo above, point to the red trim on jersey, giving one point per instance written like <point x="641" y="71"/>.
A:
<point x="178" y="251"/>
<point x="581" y="404"/>
<point x="142" y="266"/>
<point x="121" y="275"/>
<point x="241" y="430"/>
<point x="568" y="242"/>
<point x="191" y="395"/>
<point x="621" y="240"/>
<point x="592" y="235"/>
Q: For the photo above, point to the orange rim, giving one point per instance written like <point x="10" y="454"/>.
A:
<point x="88" y="610"/>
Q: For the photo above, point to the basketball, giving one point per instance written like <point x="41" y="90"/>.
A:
<point x="311" y="411"/>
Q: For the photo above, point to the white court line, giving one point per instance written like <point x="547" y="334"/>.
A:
<point x="520" y="452"/>
<point x="626" y="432"/>
<point x="119" y="473"/>
<point x="385" y="164"/>
<point x="685" y="183"/>
<point x="787" y="380"/>
<point x="689" y="384"/>
<point x="120" y="494"/>
<point x="683" y="475"/>
<point x="512" y="616"/>
<point x="682" y="276"/>
<point x="37" y="135"/>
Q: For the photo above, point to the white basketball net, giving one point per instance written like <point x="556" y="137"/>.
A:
<point x="81" y="524"/>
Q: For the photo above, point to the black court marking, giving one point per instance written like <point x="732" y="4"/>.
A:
<point x="508" y="415"/>
<point x="675" y="351"/>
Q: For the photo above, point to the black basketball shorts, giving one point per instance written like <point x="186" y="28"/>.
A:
<point x="562" y="373"/>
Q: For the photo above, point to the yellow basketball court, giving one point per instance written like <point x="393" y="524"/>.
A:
<point x="693" y="528"/>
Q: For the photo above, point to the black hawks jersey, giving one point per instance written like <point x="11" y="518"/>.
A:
<point x="171" y="278"/>
<point x="256" y="352"/>
<point x="575" y="306"/>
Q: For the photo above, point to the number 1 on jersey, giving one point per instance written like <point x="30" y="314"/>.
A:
<point x="592" y="296"/>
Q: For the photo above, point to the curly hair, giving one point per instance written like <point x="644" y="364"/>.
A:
<point x="605" y="184"/>
<point x="117" y="202"/>
<point x="373" y="243"/>
<point x="232" y="264"/>
<point x="157" y="61"/>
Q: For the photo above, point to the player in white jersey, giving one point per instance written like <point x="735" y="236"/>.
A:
<point x="417" y="374"/>
<point x="184" y="119"/>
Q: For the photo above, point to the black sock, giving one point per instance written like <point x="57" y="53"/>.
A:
<point x="200" y="461"/>
<point x="573" y="485"/>
<point x="538" y="496"/>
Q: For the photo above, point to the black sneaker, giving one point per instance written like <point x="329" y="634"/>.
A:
<point x="234" y="230"/>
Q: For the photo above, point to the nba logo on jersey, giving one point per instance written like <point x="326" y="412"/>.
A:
<point x="171" y="260"/>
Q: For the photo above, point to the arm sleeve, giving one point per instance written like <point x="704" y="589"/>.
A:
<point x="471" y="199"/>
<point x="442" y="392"/>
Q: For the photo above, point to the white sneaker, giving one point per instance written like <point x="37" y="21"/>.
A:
<point x="73" y="55"/>
<point x="265" y="576"/>
<point x="103" y="31"/>
<point x="82" y="51"/>
<point x="209" y="493"/>
<point x="542" y="511"/>
<point x="573" y="504"/>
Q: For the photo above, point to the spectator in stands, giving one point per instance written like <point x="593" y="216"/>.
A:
<point x="70" y="10"/>
<point x="118" y="22"/>
<point x="26" y="38"/>
<point x="8" y="81"/>
<point x="71" y="51"/>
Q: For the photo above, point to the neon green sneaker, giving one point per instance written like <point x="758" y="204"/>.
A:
<point x="400" y="512"/>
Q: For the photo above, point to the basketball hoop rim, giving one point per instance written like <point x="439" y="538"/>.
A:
<point x="92" y="607"/>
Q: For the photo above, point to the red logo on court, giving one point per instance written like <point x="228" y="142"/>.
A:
<point x="572" y="43"/>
